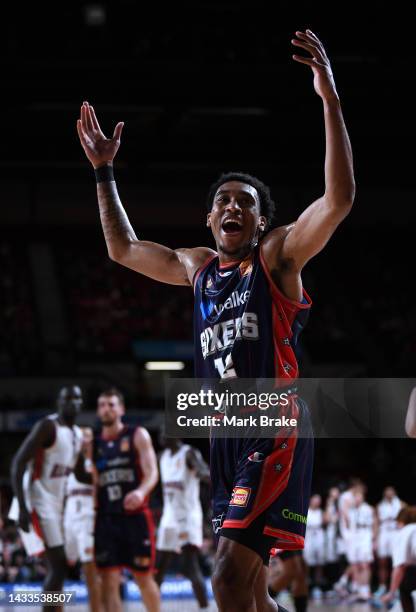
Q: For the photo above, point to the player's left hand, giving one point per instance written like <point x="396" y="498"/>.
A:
<point x="133" y="500"/>
<point x="323" y="81"/>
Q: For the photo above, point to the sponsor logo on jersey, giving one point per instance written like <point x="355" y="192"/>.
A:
<point x="240" y="496"/>
<point x="235" y="300"/>
<point x="209" y="283"/>
<point x="224" y="274"/>
<point x="246" y="267"/>
<point x="141" y="561"/>
<point x="124" y="445"/>
<point x="256" y="457"/>
<point x="59" y="471"/>
<point x="293" y="516"/>
<point x="222" y="335"/>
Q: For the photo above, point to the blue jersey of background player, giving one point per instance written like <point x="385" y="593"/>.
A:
<point x="240" y="214"/>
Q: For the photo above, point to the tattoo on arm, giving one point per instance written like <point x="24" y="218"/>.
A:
<point x="115" y="223"/>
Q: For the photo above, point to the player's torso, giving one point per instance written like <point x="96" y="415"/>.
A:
<point x="243" y="325"/>
<point x="79" y="500"/>
<point x="361" y="517"/>
<point x="315" y="520"/>
<point x="118" y="470"/>
<point x="387" y="513"/>
<point x="52" y="466"/>
<point x="180" y="485"/>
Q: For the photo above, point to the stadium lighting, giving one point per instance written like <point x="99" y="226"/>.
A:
<point x="164" y="365"/>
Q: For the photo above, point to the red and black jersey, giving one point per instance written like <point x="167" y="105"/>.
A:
<point x="118" y="470"/>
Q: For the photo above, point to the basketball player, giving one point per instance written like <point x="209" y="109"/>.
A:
<point x="50" y="452"/>
<point x="361" y="540"/>
<point x="124" y="473"/>
<point x="249" y="309"/>
<point x="387" y="511"/>
<point x="331" y="518"/>
<point x="346" y="502"/>
<point x="404" y="561"/>
<point x="180" y="530"/>
<point x="314" y="552"/>
<point x="79" y="532"/>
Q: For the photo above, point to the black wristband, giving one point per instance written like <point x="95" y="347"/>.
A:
<point x="103" y="174"/>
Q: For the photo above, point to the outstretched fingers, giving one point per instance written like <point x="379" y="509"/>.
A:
<point x="117" y="130"/>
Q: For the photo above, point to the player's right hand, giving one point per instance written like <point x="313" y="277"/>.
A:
<point x="99" y="149"/>
<point x="24" y="520"/>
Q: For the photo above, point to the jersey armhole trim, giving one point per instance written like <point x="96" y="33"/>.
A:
<point x="275" y="289"/>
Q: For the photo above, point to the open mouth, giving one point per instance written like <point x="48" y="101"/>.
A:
<point x="232" y="226"/>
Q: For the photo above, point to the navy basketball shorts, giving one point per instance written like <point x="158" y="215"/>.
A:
<point x="261" y="487"/>
<point x="125" y="540"/>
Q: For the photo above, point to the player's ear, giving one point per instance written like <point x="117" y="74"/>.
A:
<point x="209" y="220"/>
<point x="262" y="223"/>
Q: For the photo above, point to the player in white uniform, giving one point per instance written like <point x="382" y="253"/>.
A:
<point x="346" y="501"/>
<point x="49" y="452"/>
<point x="331" y="518"/>
<point x="387" y="511"/>
<point x="180" y="530"/>
<point x="404" y="561"/>
<point x="79" y="531"/>
<point x="362" y="530"/>
<point x="314" y="551"/>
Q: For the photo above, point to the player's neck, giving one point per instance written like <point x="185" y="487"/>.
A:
<point x="226" y="258"/>
<point x="111" y="431"/>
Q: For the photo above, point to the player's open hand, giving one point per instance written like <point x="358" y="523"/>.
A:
<point x="323" y="78"/>
<point x="99" y="149"/>
<point x="133" y="500"/>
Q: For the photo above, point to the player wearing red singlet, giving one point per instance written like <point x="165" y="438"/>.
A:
<point x="240" y="217"/>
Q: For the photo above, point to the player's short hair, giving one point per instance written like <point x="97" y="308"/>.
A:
<point x="113" y="391"/>
<point x="267" y="205"/>
<point x="407" y="515"/>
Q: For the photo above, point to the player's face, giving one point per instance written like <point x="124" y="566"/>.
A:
<point x="109" y="409"/>
<point x="235" y="218"/>
<point x="69" y="402"/>
<point x="389" y="493"/>
<point x="315" y="501"/>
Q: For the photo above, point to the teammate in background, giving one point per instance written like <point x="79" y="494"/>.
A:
<point x="79" y="532"/>
<point x="124" y="473"/>
<point x="387" y="511"/>
<point x="253" y="337"/>
<point x="180" y="530"/>
<point x="361" y="542"/>
<point x="314" y="551"/>
<point x="331" y="519"/>
<point x="50" y="452"/>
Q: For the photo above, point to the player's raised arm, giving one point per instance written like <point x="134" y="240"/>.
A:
<point x="310" y="233"/>
<point x="175" y="267"/>
<point x="41" y="436"/>
<point x="410" y="423"/>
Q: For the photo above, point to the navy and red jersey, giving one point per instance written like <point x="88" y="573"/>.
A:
<point x="118" y="471"/>
<point x="243" y="325"/>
